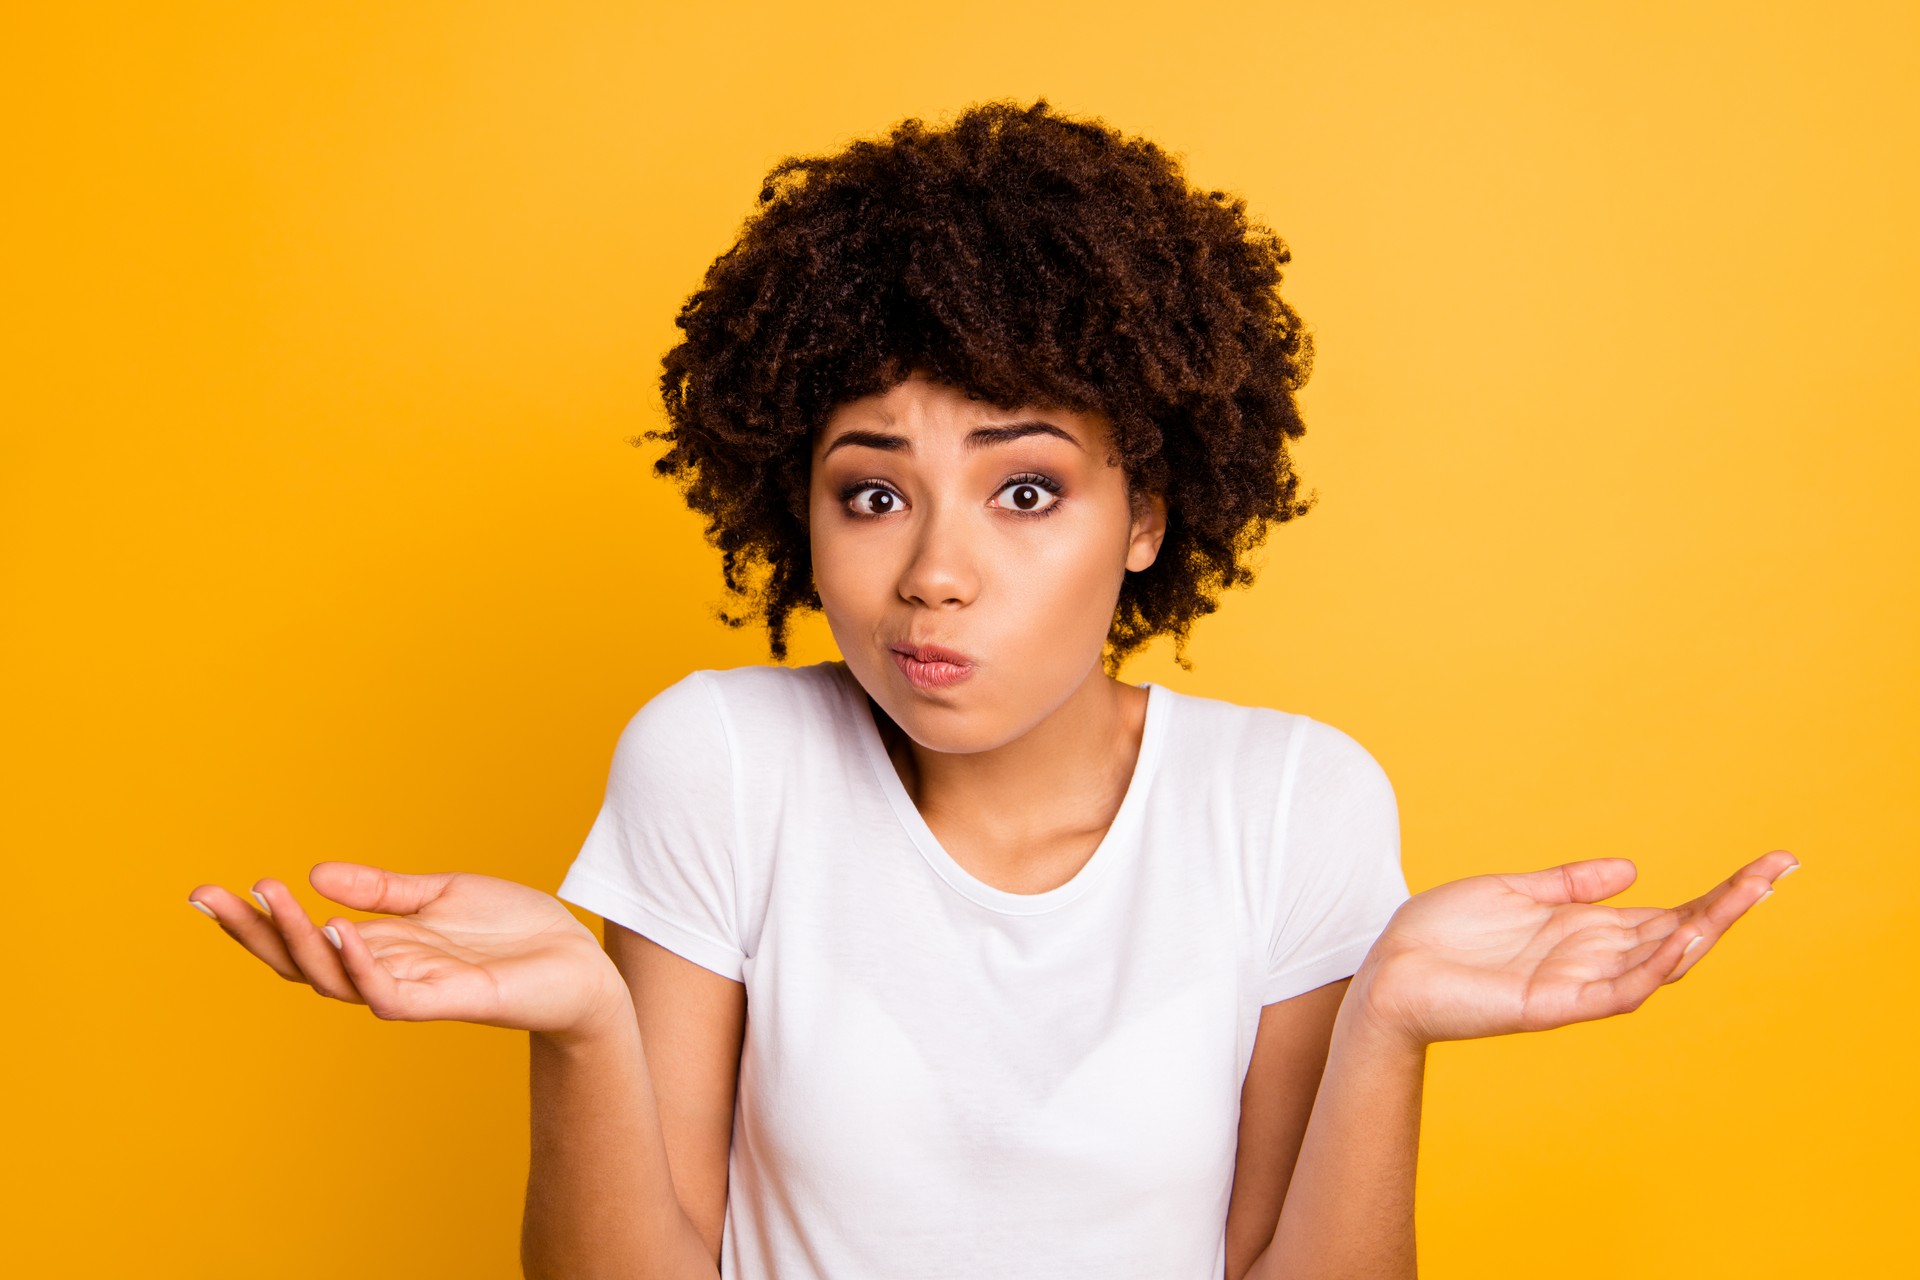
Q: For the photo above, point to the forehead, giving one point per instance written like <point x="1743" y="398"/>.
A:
<point x="921" y="409"/>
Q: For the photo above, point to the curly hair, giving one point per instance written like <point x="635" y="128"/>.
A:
<point x="1023" y="257"/>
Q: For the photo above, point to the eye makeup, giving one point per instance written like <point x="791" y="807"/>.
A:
<point x="1038" y="481"/>
<point x="853" y="489"/>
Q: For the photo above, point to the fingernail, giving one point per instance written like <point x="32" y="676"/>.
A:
<point x="1698" y="938"/>
<point x="264" y="904"/>
<point x="203" y="906"/>
<point x="332" y="937"/>
<point x="1789" y="871"/>
<point x="1763" y="897"/>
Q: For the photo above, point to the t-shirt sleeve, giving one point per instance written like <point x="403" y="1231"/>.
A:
<point x="1339" y="877"/>
<point x="659" y="858"/>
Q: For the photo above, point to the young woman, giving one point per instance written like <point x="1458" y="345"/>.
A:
<point x="960" y="956"/>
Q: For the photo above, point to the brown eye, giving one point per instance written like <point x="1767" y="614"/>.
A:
<point x="882" y="502"/>
<point x="1028" y="496"/>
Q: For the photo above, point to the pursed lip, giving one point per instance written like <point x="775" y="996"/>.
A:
<point x="934" y="653"/>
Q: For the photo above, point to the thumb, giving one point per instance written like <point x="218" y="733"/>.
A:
<point x="370" y="888"/>
<point x="1588" y="880"/>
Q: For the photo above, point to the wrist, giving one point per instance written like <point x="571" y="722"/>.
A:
<point x="607" y="1016"/>
<point x="1367" y="1016"/>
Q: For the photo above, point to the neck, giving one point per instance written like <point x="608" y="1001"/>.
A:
<point x="1065" y="776"/>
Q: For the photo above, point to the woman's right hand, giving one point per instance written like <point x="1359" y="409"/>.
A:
<point x="454" y="945"/>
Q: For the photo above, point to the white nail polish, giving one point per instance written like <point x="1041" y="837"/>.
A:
<point x="1789" y="871"/>
<point x="203" y="906"/>
<point x="264" y="904"/>
<point x="1698" y="938"/>
<point x="1763" y="897"/>
<point x="332" y="936"/>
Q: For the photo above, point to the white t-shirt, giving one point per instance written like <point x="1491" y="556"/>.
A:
<point x="944" y="1079"/>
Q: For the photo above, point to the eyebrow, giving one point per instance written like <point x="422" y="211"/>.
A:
<point x="978" y="438"/>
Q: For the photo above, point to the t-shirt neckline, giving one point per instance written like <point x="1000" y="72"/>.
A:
<point x="1113" y="845"/>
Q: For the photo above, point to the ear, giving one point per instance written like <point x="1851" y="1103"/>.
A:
<point x="1149" y="530"/>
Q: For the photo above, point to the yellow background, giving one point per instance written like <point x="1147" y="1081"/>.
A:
<point x="319" y="539"/>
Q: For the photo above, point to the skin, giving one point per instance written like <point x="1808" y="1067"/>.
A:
<point x="918" y="536"/>
<point x="1486" y="955"/>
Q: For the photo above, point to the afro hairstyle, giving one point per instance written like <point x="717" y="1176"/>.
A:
<point x="1026" y="258"/>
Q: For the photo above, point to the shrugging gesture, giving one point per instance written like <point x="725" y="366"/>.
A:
<point x="454" y="946"/>
<point x="1494" y="954"/>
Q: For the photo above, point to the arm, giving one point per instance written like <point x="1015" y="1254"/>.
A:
<point x="632" y="1126"/>
<point x="1340" y="1204"/>
<point x="1276" y="1101"/>
<point x="472" y="948"/>
<point x="1488" y="955"/>
<point x="1349" y="1204"/>
<point x="600" y="1198"/>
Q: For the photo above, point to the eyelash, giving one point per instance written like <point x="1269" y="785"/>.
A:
<point x="1038" y="481"/>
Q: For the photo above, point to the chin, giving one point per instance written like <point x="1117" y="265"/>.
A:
<point x="958" y="737"/>
<point x="962" y="727"/>
<point x="949" y="729"/>
<point x="949" y="725"/>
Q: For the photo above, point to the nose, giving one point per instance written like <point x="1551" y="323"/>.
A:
<point x="941" y="569"/>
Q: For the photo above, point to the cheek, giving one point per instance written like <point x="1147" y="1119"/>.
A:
<point x="843" y="574"/>
<point x="1077" y="571"/>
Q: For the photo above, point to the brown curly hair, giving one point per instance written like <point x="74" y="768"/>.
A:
<point x="1025" y="258"/>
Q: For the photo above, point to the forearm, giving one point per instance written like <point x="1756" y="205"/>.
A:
<point x="600" y="1198"/>
<point x="1348" y="1213"/>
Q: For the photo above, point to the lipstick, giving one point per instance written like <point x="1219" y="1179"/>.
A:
<point x="929" y="666"/>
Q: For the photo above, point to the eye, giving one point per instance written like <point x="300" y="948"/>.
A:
<point x="1030" y="495"/>
<point x="883" y="501"/>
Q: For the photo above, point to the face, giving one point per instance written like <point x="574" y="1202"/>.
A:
<point x="999" y="536"/>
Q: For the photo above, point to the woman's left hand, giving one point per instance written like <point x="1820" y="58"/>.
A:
<point x="1494" y="954"/>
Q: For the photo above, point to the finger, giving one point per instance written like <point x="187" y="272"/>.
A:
<point x="367" y="975"/>
<point x="1647" y="928"/>
<point x="318" y="959"/>
<point x="1735" y="900"/>
<point x="379" y="989"/>
<point x="1713" y="923"/>
<point x="1628" y="990"/>
<point x="1771" y="866"/>
<point x="1723" y="904"/>
<point x="370" y="888"/>
<point x="1628" y="926"/>
<point x="1588" y="880"/>
<point x="247" y="925"/>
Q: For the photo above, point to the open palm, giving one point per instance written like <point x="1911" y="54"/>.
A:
<point x="456" y="945"/>
<point x="1494" y="954"/>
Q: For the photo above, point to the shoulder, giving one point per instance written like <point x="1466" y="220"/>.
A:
<point x="764" y="697"/>
<point x="1231" y="736"/>
<point x="1334" y="771"/>
<point x="738" y="711"/>
<point x="765" y="680"/>
<point x="686" y="743"/>
<point x="1268" y="748"/>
